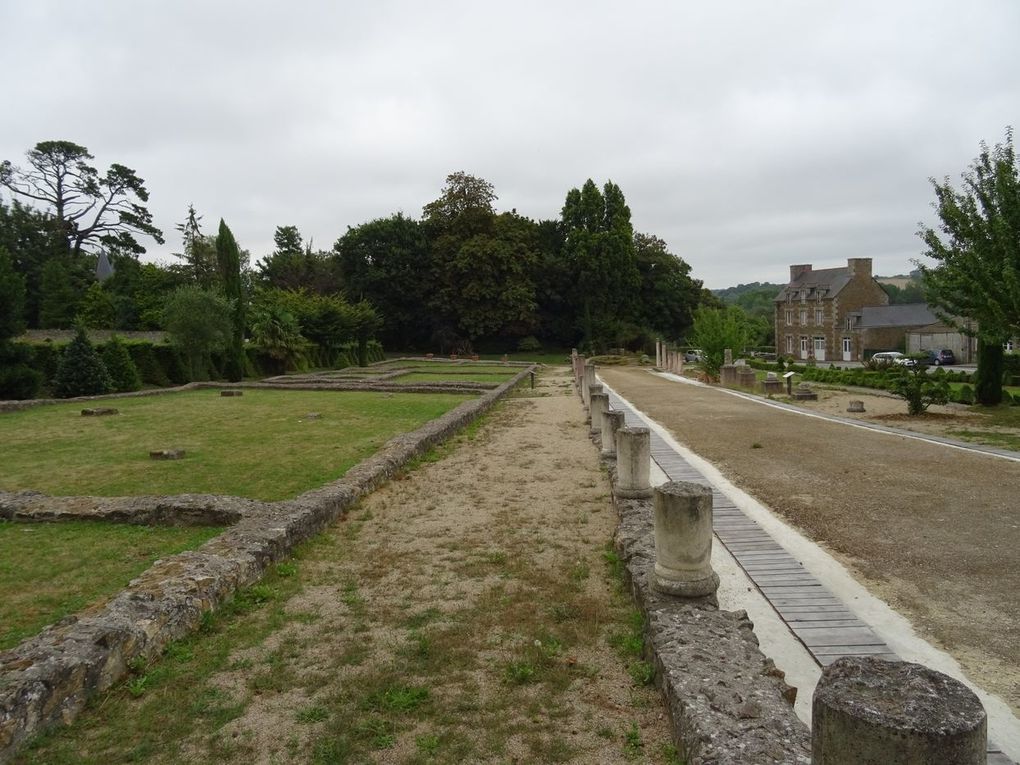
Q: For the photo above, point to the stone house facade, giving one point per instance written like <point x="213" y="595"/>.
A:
<point x="818" y="313"/>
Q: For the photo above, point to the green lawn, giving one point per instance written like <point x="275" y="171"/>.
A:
<point x="439" y="376"/>
<point x="42" y="567"/>
<point x="447" y="367"/>
<point x="258" y="445"/>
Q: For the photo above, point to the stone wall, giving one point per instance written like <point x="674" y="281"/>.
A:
<point x="48" y="678"/>
<point x="728" y="703"/>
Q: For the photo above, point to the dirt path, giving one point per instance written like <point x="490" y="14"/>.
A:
<point x="465" y="613"/>
<point x="932" y="530"/>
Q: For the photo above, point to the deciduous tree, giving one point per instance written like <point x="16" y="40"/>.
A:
<point x="386" y="262"/>
<point x="977" y="249"/>
<point x="199" y="322"/>
<point x="715" y="330"/>
<point x="600" y="250"/>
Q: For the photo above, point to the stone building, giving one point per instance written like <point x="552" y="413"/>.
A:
<point x="818" y="312"/>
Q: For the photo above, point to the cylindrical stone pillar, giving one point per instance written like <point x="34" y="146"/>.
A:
<point x="592" y="390"/>
<point x="658" y="353"/>
<point x="586" y="382"/>
<point x="683" y="540"/>
<point x="599" y="405"/>
<point x="633" y="463"/>
<point x="866" y="710"/>
<point x="612" y="421"/>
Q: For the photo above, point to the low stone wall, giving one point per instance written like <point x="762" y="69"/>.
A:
<point x="47" y="679"/>
<point x="729" y="704"/>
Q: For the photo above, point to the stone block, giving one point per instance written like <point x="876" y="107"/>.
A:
<point x="166" y="454"/>
<point x="231" y="393"/>
<point x="99" y="411"/>
<point x="855" y="406"/>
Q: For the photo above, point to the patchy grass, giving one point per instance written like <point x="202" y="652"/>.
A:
<point x="988" y="438"/>
<point x="240" y="446"/>
<point x="50" y="570"/>
<point x="395" y="676"/>
<point x="146" y="717"/>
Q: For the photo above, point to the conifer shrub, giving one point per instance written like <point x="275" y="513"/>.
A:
<point x="81" y="372"/>
<point x="123" y="372"/>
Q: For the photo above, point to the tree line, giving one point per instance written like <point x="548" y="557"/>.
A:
<point x="464" y="276"/>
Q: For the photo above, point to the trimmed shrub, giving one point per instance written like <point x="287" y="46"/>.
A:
<point x="529" y="343"/>
<point x="172" y="363"/>
<point x="148" y="366"/>
<point x="81" y="371"/>
<point x="123" y="372"/>
<point x="966" y="395"/>
<point x="18" y="380"/>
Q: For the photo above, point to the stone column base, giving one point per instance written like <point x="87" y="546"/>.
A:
<point x="685" y="588"/>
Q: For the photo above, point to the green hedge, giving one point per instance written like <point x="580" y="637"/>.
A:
<point x="161" y="364"/>
<point x="864" y="378"/>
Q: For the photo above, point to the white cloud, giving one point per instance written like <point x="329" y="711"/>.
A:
<point x="747" y="135"/>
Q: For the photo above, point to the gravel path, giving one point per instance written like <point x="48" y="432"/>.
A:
<point x="932" y="530"/>
<point x="464" y="613"/>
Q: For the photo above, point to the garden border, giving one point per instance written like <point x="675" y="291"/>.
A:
<point x="48" y="678"/>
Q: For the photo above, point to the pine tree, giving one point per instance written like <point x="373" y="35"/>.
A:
<point x="123" y="372"/>
<point x="81" y="372"/>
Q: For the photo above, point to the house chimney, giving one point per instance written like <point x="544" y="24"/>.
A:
<point x="859" y="267"/>
<point x="796" y="271"/>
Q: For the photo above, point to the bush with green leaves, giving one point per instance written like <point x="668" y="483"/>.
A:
<point x="199" y="322"/>
<point x="918" y="388"/>
<point x="123" y="372"/>
<point x="81" y="371"/>
<point x="529" y="344"/>
<point x="715" y="330"/>
<point x="18" y="379"/>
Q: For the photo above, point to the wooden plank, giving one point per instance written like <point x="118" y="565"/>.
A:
<point x="838" y="636"/>
<point x="811" y="624"/>
<point x="780" y="601"/>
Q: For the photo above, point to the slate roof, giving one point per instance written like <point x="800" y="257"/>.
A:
<point x="828" y="281"/>
<point x="905" y="315"/>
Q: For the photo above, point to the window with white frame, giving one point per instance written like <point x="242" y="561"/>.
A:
<point x="819" y="345"/>
<point x="819" y="316"/>
<point x="849" y="323"/>
<point x="789" y="317"/>
<point x="803" y="317"/>
<point x="789" y="343"/>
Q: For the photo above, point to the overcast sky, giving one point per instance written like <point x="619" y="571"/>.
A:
<point x="749" y="135"/>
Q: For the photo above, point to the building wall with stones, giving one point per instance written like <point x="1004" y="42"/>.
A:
<point x="812" y="310"/>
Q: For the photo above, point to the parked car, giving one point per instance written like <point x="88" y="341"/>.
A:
<point x="694" y="355"/>
<point x="941" y="357"/>
<point x="892" y="357"/>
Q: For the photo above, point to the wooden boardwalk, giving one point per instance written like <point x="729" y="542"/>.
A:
<point x="826" y="627"/>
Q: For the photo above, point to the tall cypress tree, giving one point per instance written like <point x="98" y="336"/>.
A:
<point x="228" y="259"/>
